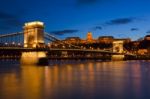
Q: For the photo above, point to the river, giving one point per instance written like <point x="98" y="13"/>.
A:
<point x="75" y="80"/>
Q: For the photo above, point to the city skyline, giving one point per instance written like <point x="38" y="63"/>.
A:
<point x="65" y="18"/>
<point x="74" y="49"/>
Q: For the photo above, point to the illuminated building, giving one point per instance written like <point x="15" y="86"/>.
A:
<point x="147" y="37"/>
<point x="73" y="40"/>
<point x="89" y="37"/>
<point x="142" y="51"/>
<point x="34" y="34"/>
<point x="144" y="46"/>
<point x="105" y="39"/>
<point x="77" y="40"/>
<point x="101" y="42"/>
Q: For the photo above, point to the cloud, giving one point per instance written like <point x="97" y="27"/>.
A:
<point x="120" y="21"/>
<point x="63" y="32"/>
<point x="134" y="29"/>
<point x="98" y="28"/>
<point x="8" y="21"/>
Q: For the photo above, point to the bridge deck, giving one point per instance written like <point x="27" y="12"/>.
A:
<point x="53" y="49"/>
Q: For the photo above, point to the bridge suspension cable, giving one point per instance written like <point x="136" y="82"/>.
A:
<point x="53" y="38"/>
<point x="11" y="34"/>
<point x="11" y="39"/>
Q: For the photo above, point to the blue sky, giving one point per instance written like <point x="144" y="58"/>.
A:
<point x="65" y="18"/>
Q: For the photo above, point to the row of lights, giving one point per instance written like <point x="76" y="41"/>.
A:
<point x="13" y="43"/>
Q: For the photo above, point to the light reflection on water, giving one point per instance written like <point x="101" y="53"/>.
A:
<point x="76" y="80"/>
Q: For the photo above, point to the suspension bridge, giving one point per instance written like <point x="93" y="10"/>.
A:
<point x="32" y="44"/>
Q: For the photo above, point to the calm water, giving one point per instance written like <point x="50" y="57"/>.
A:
<point x="76" y="80"/>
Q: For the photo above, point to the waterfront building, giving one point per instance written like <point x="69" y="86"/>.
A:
<point x="105" y="39"/>
<point x="142" y="51"/>
<point x="89" y="42"/>
<point x="144" y="45"/>
<point x="147" y="37"/>
<point x="72" y="40"/>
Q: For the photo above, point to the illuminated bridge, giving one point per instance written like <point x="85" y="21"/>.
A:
<point x="33" y="42"/>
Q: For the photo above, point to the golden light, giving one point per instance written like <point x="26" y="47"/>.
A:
<point x="34" y="23"/>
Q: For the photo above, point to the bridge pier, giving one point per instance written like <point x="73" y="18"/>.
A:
<point x="34" y="58"/>
<point x="34" y="37"/>
<point x="117" y="57"/>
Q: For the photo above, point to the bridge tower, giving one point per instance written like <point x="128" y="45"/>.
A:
<point x="34" y="34"/>
<point x="118" y="50"/>
<point x="33" y="38"/>
<point x="118" y="46"/>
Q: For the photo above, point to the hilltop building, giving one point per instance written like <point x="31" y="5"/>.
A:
<point x="90" y="41"/>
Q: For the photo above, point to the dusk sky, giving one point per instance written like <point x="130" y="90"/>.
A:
<point x="66" y="18"/>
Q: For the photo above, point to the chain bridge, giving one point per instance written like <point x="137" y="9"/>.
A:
<point x="32" y="43"/>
